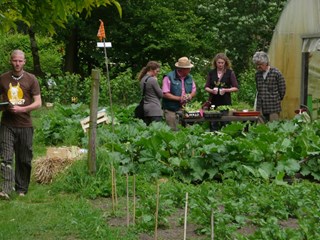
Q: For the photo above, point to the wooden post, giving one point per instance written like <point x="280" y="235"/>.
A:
<point x="93" y="121"/>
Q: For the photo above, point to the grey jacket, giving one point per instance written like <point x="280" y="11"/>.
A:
<point x="271" y="91"/>
<point x="153" y="95"/>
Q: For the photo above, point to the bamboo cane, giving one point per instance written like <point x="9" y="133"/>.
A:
<point x="109" y="86"/>
<point x="134" y="200"/>
<point x="212" y="224"/>
<point x="112" y="189"/>
<point x="128" y="213"/>
<point x="185" y="218"/>
<point x="114" y="184"/>
<point x="157" y="212"/>
<point x="115" y="188"/>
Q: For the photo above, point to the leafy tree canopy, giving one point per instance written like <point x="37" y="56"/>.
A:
<point x="166" y="30"/>
<point x="45" y="14"/>
<point x="151" y="29"/>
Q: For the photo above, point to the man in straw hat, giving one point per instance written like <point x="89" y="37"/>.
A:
<point x="178" y="88"/>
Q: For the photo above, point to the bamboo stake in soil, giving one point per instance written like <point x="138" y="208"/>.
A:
<point x="212" y="224"/>
<point x="128" y="214"/>
<point x="112" y="189"/>
<point x="115" y="187"/>
<point x="157" y="212"/>
<point x="134" y="200"/>
<point x="185" y="218"/>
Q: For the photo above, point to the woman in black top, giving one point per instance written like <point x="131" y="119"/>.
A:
<point x="221" y="81"/>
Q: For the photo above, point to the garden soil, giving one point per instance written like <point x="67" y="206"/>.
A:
<point x="173" y="230"/>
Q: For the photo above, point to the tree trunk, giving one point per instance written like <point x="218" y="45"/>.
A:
<point x="71" y="60"/>
<point x="35" y="53"/>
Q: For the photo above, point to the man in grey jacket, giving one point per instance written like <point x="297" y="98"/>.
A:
<point x="271" y="87"/>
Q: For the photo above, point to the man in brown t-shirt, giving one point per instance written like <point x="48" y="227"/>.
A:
<point x="22" y="92"/>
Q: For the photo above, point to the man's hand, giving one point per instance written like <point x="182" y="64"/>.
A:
<point x="186" y="98"/>
<point x="17" y="109"/>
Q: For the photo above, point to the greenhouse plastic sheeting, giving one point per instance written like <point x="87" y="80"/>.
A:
<point x="298" y="20"/>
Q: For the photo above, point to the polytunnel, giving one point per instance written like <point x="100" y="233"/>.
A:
<point x="295" y="51"/>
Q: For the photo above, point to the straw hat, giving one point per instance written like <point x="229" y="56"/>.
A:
<point x="184" y="62"/>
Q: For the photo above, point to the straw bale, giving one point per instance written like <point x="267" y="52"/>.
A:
<point x="63" y="152"/>
<point x="56" y="160"/>
<point x="47" y="168"/>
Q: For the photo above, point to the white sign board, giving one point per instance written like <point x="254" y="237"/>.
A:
<point x="104" y="44"/>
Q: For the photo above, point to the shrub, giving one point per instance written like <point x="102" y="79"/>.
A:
<point x="61" y="126"/>
<point x="49" y="51"/>
<point x="247" y="88"/>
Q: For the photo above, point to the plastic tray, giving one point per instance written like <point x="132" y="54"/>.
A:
<point x="246" y="114"/>
<point x="207" y="114"/>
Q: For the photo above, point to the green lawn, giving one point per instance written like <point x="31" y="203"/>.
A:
<point x="42" y="214"/>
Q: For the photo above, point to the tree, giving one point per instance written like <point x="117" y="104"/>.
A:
<point x="167" y="30"/>
<point x="244" y="26"/>
<point x="44" y="16"/>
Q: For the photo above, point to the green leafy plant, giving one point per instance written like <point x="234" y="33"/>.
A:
<point x="192" y="106"/>
<point x="62" y="126"/>
<point x="224" y="108"/>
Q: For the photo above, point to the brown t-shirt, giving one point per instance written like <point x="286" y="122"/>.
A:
<point x="20" y="93"/>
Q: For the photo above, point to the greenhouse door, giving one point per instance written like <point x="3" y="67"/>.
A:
<point x="310" y="84"/>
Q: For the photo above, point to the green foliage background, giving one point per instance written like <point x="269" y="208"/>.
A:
<point x="50" y="52"/>
<point x="161" y="31"/>
<point x="245" y="177"/>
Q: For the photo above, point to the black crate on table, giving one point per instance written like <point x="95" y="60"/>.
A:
<point x="210" y="114"/>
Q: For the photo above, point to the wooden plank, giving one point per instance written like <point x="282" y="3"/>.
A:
<point x="101" y="118"/>
<point x="87" y="119"/>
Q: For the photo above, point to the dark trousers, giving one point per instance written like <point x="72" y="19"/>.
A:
<point x="149" y="120"/>
<point x="15" y="143"/>
<point x="269" y="117"/>
<point x="216" y="126"/>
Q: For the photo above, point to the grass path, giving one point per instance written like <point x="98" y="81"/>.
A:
<point x="44" y="215"/>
